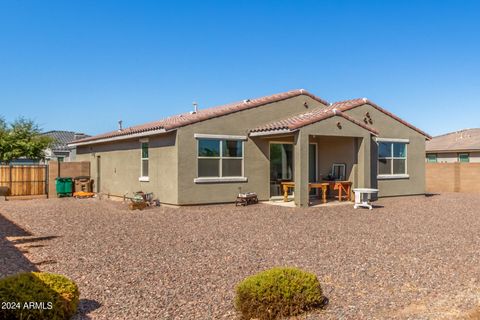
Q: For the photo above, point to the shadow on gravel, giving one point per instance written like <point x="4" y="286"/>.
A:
<point x="85" y="306"/>
<point x="428" y="195"/>
<point x="33" y="239"/>
<point x="12" y="259"/>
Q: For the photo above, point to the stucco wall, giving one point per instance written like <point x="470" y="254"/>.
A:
<point x="257" y="165"/>
<point x="391" y="128"/>
<point x="120" y="167"/>
<point x="335" y="150"/>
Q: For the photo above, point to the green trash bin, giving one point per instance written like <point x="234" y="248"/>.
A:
<point x="64" y="187"/>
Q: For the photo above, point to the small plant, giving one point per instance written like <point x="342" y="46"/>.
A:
<point x="39" y="296"/>
<point x="278" y="292"/>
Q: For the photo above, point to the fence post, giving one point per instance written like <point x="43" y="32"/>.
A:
<point x="10" y="177"/>
<point x="47" y="181"/>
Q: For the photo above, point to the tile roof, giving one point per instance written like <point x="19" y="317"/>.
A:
<point x="185" y="119"/>
<point x="297" y="121"/>
<point x="467" y="139"/>
<point x="353" y="103"/>
<point x="61" y="139"/>
<point x="337" y="108"/>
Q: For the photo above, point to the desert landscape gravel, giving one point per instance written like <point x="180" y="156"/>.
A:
<point x="409" y="258"/>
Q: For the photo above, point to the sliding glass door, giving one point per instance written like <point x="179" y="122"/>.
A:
<point x="281" y="166"/>
<point x="312" y="162"/>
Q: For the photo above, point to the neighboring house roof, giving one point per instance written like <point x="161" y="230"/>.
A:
<point x="293" y="123"/>
<point x="185" y="119"/>
<point x="467" y="139"/>
<point x="63" y="138"/>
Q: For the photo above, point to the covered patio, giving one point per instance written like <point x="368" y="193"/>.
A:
<point x="319" y="162"/>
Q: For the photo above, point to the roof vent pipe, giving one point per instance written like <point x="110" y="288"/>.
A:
<point x="120" y="127"/>
<point x="195" y="107"/>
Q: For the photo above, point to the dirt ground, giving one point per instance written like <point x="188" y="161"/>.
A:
<point x="409" y="258"/>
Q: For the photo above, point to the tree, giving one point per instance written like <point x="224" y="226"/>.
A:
<point x="22" y="139"/>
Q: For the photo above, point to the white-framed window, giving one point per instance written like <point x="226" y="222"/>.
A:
<point x="220" y="159"/>
<point x="144" y="160"/>
<point x="392" y="159"/>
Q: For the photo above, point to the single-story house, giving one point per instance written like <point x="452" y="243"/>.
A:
<point x="208" y="156"/>
<point x="59" y="150"/>
<point x="458" y="146"/>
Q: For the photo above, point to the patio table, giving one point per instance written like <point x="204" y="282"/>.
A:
<point x="341" y="186"/>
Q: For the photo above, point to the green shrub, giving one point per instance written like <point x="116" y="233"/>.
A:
<point x="38" y="296"/>
<point x="278" y="292"/>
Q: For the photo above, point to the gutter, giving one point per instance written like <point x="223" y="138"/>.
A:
<point x="270" y="132"/>
<point x="118" y="138"/>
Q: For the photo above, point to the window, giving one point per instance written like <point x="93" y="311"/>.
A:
<point x="144" y="159"/>
<point x="463" y="157"/>
<point x="432" y="158"/>
<point x="218" y="158"/>
<point x="392" y="158"/>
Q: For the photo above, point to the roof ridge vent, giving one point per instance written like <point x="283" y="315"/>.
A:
<point x="364" y="99"/>
<point x="246" y="101"/>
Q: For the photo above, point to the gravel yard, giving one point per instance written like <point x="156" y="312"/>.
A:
<point x="410" y="258"/>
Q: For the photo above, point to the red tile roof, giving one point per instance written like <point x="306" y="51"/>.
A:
<point x="350" y="104"/>
<point x="295" y="122"/>
<point x="337" y="108"/>
<point x="185" y="119"/>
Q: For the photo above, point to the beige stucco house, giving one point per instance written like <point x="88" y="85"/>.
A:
<point x="208" y="156"/>
<point x="458" y="146"/>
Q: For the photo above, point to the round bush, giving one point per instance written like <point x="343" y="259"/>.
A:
<point x="39" y="296"/>
<point x="278" y="292"/>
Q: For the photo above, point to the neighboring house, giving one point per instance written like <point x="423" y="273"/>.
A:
<point x="208" y="156"/>
<point x="60" y="151"/>
<point x="459" y="146"/>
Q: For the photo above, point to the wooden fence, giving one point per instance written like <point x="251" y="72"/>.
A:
<point x="452" y="177"/>
<point x="24" y="180"/>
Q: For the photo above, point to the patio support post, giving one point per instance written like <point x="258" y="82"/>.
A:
<point x="364" y="162"/>
<point x="301" y="169"/>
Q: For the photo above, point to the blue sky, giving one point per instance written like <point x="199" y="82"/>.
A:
<point x="83" y="65"/>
